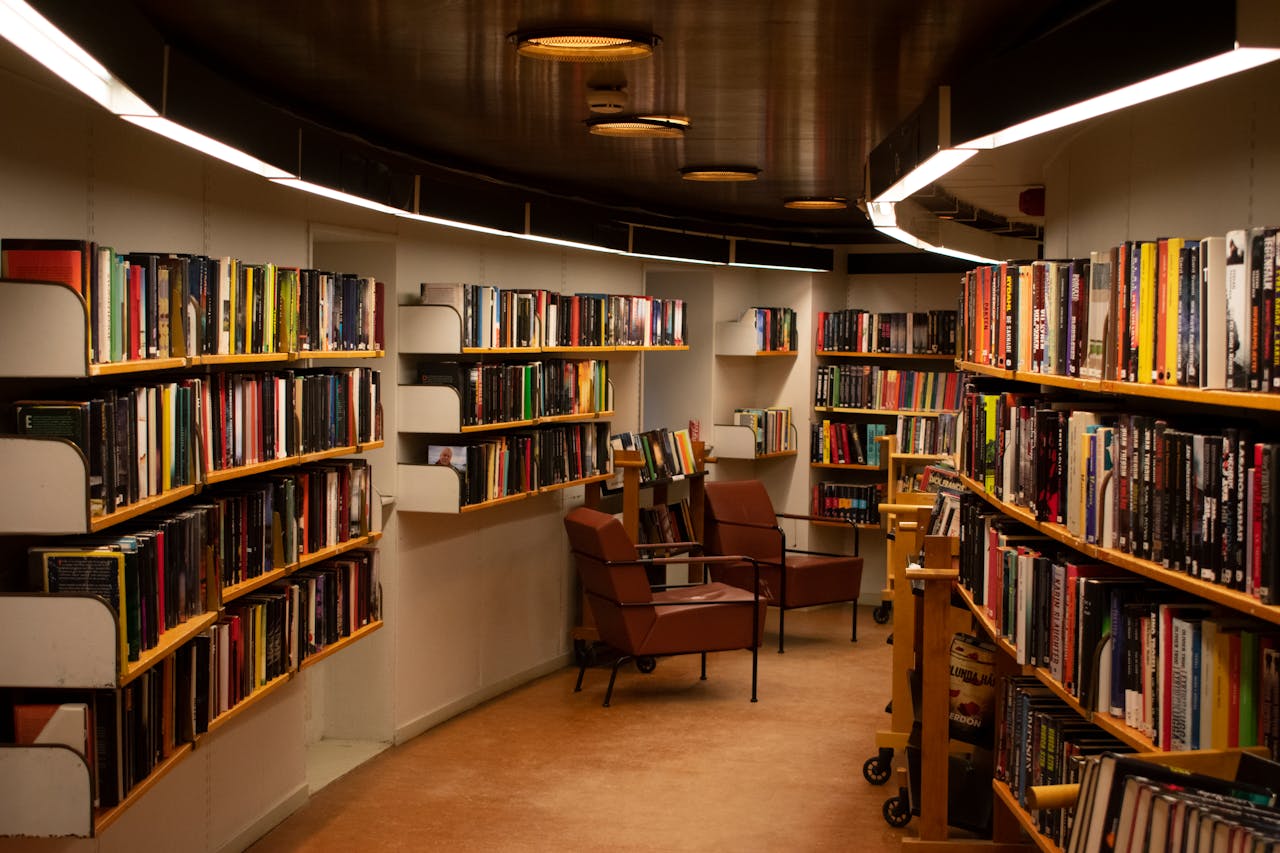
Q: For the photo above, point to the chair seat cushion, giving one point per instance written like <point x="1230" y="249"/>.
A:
<point x="717" y="617"/>
<point x="821" y="580"/>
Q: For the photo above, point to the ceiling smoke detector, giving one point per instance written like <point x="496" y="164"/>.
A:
<point x="607" y="100"/>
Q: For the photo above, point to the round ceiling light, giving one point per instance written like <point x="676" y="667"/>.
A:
<point x="583" y="44"/>
<point x="719" y="173"/>
<point x="607" y="100"/>
<point x="652" y="127"/>
<point x="811" y="203"/>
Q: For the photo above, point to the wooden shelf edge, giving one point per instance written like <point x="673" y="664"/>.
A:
<point x="305" y="355"/>
<point x="234" y="591"/>
<point x="915" y="356"/>
<point x="988" y="627"/>
<point x="332" y="551"/>
<point x="246" y="703"/>
<point x="334" y="648"/>
<point x="366" y="446"/>
<point x="495" y="502"/>
<point x="922" y="413"/>
<point x="845" y="526"/>
<point x="1135" y="739"/>
<point x="169" y="641"/>
<point x="242" y="358"/>
<point x="555" y="487"/>
<point x="142" y="507"/>
<point x="1215" y="593"/>
<point x="116" y="368"/>
<point x="497" y="426"/>
<point x="1005" y="795"/>
<point x="104" y="818"/>
<point x="225" y="474"/>
<point x="984" y="369"/>
<point x="846" y="466"/>
<point x="580" y="416"/>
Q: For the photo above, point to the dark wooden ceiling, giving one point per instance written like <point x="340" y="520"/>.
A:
<point x="801" y="89"/>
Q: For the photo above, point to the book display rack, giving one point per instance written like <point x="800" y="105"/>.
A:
<point x="204" y="553"/>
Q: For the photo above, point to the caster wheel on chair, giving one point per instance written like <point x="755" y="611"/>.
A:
<point x="584" y="653"/>
<point x="646" y="664"/>
<point x="881" y="613"/>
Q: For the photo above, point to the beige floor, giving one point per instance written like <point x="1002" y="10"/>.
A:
<point x="675" y="764"/>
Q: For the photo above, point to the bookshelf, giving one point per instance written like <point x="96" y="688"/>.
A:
<point x="74" y="642"/>
<point x="429" y="333"/>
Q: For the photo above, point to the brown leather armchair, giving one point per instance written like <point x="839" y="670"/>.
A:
<point x="643" y="622"/>
<point x="740" y="520"/>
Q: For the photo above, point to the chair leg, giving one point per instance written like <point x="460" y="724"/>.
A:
<point x="755" y="655"/>
<point x="782" y="619"/>
<point x="855" y="622"/>
<point x="704" y="666"/>
<point x="582" y="670"/>
<point x="608" y="694"/>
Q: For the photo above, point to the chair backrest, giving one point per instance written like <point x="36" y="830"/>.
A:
<point x="741" y="501"/>
<point x="611" y="574"/>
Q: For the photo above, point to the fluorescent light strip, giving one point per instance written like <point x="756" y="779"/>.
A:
<point x="926" y="173"/>
<point x="677" y="260"/>
<point x="208" y="145"/>
<point x="777" y="267"/>
<point x="32" y="33"/>
<point x="912" y="240"/>
<point x="882" y="213"/>
<point x="1222" y="65"/>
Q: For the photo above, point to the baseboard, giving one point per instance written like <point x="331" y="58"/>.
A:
<point x="416" y="727"/>
<point x="273" y="817"/>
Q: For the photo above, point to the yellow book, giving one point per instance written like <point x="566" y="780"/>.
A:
<point x="1172" y="311"/>
<point x="260" y="638"/>
<point x="167" y="427"/>
<point x="826" y="441"/>
<point x="250" y="333"/>
<point x="1146" y="313"/>
<point x="232" y="271"/>
<point x="269" y="309"/>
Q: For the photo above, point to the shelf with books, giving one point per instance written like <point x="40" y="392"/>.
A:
<point x="885" y="413"/>
<point x="438" y="409"/>
<point x="333" y="648"/>
<point x="1004" y="795"/>
<point x="742" y="441"/>
<point x="846" y="466"/>
<point x="141" y="366"/>
<point x="225" y="474"/>
<point x="983" y="369"/>
<point x="935" y="357"/>
<point x="759" y="332"/>
<point x="322" y="355"/>
<point x="893" y="334"/>
<point x="259" y="694"/>
<point x="1216" y="593"/>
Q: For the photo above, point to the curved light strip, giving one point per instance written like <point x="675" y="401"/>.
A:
<point x="719" y="173"/>
<point x="812" y="203"/>
<point x="583" y="44"/>
<point x="926" y="173"/>
<point x="650" y="127"/>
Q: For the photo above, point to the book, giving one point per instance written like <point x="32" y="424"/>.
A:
<point x="92" y="572"/>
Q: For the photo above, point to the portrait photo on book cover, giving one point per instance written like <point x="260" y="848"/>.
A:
<point x="452" y="455"/>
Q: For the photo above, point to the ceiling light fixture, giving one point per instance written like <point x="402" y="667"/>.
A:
<point x="607" y="100"/>
<point x="816" y="203"/>
<point x="583" y="44"/>
<point x="652" y="127"/>
<point x="719" y="173"/>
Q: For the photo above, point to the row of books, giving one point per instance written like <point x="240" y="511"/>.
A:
<point x="1040" y="740"/>
<point x="904" y="332"/>
<point x="917" y="434"/>
<point x="1128" y="804"/>
<point x="869" y="386"/>
<point x="1180" y="671"/>
<point x="772" y="427"/>
<point x="150" y="305"/>
<point x="143" y="440"/>
<point x="855" y="503"/>
<point x="1200" y="313"/>
<point x="1198" y="503"/>
<point x="125" y="733"/>
<point x="667" y="523"/>
<point x="842" y="443"/>
<point x="521" y="462"/>
<point x="775" y="328"/>
<point x="494" y="317"/>
<point x="502" y="392"/>
<point x="666" y="453"/>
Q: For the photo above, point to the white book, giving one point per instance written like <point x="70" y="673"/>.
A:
<point x="1238" y="303"/>
<point x="1099" y="314"/>
<point x="1105" y="502"/>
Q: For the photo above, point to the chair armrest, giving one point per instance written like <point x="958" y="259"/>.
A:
<point x="857" y="535"/>
<point x="750" y="524"/>
<point x="653" y="546"/>
<point x="819" y="553"/>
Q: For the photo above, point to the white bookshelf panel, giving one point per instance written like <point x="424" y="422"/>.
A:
<point x="732" y="441"/>
<point x="737" y="337"/>
<point x="428" y="329"/>
<point x="428" y="408"/>
<point x="46" y="486"/>
<point x="45" y="792"/>
<point x="58" y="641"/>
<point x="428" y="488"/>
<point x="43" y="330"/>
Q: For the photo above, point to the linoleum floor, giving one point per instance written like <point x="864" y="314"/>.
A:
<point x="676" y="764"/>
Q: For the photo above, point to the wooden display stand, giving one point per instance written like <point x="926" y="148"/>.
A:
<point x="630" y="462"/>
<point x="938" y="575"/>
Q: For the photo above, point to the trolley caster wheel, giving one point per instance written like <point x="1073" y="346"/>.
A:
<point x="881" y="614"/>
<point x="896" y="812"/>
<point x="875" y="771"/>
<point x="646" y="663"/>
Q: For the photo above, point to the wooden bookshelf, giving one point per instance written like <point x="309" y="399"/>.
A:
<point x="333" y="648"/>
<point x="507" y="499"/>
<point x="142" y="507"/>
<point x="585" y="481"/>
<point x="1005" y="795"/>
<point x="923" y="413"/>
<point x="259" y="693"/>
<point x="578" y="417"/>
<point x="846" y="466"/>
<point x="120" y="368"/>
<point x="169" y="642"/>
<point x="335" y="354"/>
<point x="233" y="591"/>
<point x="275" y="464"/>
<point x="983" y="369"/>
<point x="888" y="356"/>
<point x="1213" y="592"/>
<point x="579" y="350"/>
<point x="988" y="627"/>
<point x="248" y="359"/>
